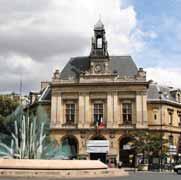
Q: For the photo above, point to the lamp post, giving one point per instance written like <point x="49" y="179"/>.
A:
<point x="161" y="140"/>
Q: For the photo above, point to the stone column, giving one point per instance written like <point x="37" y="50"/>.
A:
<point x="81" y="112"/>
<point x="56" y="110"/>
<point x="60" y="109"/>
<point x="53" y="109"/>
<point x="145" y="116"/>
<point x="141" y="110"/>
<point x="87" y="111"/>
<point x="109" y="110"/>
<point x="138" y="111"/>
<point x="116" y="112"/>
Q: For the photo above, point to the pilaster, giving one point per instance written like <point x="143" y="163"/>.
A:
<point x="110" y="112"/>
<point x="116" y="112"/>
<point x="81" y="111"/>
<point x="141" y="110"/>
<point x="87" y="111"/>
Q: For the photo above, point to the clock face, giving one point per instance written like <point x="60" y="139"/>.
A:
<point x="98" y="68"/>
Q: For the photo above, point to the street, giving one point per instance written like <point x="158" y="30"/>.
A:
<point x="132" y="176"/>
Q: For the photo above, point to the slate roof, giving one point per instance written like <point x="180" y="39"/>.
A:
<point x="123" y="65"/>
<point x="46" y="94"/>
<point x="154" y="89"/>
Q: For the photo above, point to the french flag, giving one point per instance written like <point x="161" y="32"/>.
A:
<point x="101" y="124"/>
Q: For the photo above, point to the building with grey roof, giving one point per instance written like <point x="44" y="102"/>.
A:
<point x="96" y="100"/>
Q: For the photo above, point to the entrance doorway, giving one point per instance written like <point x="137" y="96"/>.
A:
<point x="98" y="156"/>
<point x="127" y="152"/>
<point x="98" y="150"/>
<point x="70" y="147"/>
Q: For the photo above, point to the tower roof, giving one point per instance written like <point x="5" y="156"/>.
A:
<point x="99" y="25"/>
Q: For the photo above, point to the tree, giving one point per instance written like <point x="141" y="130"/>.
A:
<point x="7" y="107"/>
<point x="148" y="143"/>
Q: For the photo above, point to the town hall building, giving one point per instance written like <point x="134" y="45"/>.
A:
<point x="96" y="99"/>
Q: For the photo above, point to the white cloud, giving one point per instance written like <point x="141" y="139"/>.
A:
<point x="39" y="39"/>
<point x="73" y="18"/>
<point x="165" y="76"/>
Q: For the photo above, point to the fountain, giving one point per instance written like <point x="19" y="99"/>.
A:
<point x="30" y="139"/>
<point x="30" y="151"/>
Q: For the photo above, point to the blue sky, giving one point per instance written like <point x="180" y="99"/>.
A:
<point x="161" y="17"/>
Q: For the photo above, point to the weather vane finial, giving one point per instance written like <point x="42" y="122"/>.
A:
<point x="100" y="16"/>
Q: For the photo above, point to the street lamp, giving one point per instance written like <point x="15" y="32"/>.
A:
<point x="161" y="140"/>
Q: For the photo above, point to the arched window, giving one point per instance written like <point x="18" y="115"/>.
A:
<point x="99" y="43"/>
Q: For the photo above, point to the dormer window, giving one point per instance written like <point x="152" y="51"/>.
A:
<point x="176" y="94"/>
<point x="178" y="98"/>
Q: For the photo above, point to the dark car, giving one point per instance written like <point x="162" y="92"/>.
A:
<point x="177" y="169"/>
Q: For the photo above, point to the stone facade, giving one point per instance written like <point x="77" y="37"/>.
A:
<point x="102" y="97"/>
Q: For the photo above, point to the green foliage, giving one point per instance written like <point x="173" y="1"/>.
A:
<point x="7" y="107"/>
<point x="149" y="142"/>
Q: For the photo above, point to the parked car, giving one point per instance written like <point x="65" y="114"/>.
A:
<point x="177" y="169"/>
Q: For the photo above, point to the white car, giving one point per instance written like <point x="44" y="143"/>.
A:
<point x="177" y="169"/>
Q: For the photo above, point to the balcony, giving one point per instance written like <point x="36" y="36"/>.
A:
<point x="70" y="124"/>
<point x="58" y="125"/>
<point x="127" y="125"/>
<point x="98" y="126"/>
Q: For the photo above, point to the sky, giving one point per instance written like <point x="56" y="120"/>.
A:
<point x="38" y="37"/>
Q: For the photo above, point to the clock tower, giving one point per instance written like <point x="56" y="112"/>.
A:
<point x="99" y="57"/>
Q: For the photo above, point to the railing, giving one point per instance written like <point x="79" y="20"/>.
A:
<point x="127" y="124"/>
<point x="64" y="125"/>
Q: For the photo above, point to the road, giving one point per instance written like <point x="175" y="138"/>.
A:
<point x="132" y="176"/>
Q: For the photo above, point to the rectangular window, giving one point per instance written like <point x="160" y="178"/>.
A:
<point x="98" y="113"/>
<point x="127" y="113"/>
<point x="179" y="120"/>
<point x="170" y="118"/>
<point x="70" y="113"/>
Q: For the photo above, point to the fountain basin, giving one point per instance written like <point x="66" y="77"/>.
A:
<point x="51" y="164"/>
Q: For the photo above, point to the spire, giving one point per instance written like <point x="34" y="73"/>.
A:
<point x="99" y="25"/>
